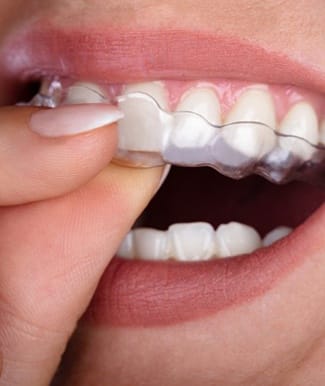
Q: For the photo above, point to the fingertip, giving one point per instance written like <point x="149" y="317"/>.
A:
<point x="38" y="167"/>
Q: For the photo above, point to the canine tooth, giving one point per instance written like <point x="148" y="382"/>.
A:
<point x="252" y="140"/>
<point x="275" y="235"/>
<point x="126" y="249"/>
<point x="191" y="130"/>
<point x="191" y="242"/>
<point x="84" y="92"/>
<point x="142" y="128"/>
<point x="301" y="120"/>
<point x="150" y="244"/>
<point x="236" y="239"/>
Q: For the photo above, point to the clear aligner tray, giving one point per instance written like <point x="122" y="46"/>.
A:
<point x="186" y="138"/>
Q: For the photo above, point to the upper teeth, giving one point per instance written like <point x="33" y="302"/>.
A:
<point x="301" y="120"/>
<point x="160" y="132"/>
<point x="189" y="130"/>
<point x="252" y="140"/>
<point x="191" y="139"/>
<point x="144" y="129"/>
<point x="141" y="129"/>
<point x="195" y="241"/>
<point x="84" y="92"/>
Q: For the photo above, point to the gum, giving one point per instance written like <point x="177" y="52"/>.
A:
<point x="229" y="91"/>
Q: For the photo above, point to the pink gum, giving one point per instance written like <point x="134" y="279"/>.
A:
<point x="229" y="91"/>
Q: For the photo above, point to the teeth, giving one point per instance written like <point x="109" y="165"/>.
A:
<point x="150" y="244"/>
<point x="301" y="120"/>
<point x="142" y="129"/>
<point x="192" y="241"/>
<point x="236" y="239"/>
<point x="190" y="136"/>
<point x="275" y="235"/>
<point x="84" y="92"/>
<point x="190" y="130"/>
<point x="155" y="89"/>
<point x="126" y="248"/>
<point x="196" y="241"/>
<point x="252" y="140"/>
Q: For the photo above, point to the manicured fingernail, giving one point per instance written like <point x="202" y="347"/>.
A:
<point x="73" y="119"/>
<point x="164" y="175"/>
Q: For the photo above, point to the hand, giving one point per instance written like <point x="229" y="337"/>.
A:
<point x="63" y="214"/>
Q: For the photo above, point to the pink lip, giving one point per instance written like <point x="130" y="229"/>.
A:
<point x="133" y="293"/>
<point x="118" y="56"/>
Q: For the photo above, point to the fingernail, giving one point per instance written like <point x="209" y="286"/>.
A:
<point x="164" y="175"/>
<point x="73" y="119"/>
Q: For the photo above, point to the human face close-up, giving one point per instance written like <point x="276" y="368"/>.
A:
<point x="196" y="304"/>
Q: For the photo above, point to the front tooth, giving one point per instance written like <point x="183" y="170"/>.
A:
<point x="150" y="244"/>
<point x="301" y="120"/>
<point x="126" y="248"/>
<point x="142" y="129"/>
<point x="275" y="235"/>
<point x="85" y="92"/>
<point x="155" y="89"/>
<point x="191" y="130"/>
<point x="236" y="239"/>
<point x="191" y="242"/>
<point x="252" y="140"/>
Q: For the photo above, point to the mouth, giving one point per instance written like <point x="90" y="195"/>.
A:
<point x="205" y="236"/>
<point x="205" y="242"/>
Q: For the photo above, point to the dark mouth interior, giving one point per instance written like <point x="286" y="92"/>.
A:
<point x="28" y="91"/>
<point x="17" y="90"/>
<point x="202" y="194"/>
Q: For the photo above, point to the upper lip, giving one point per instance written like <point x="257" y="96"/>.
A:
<point x="121" y="56"/>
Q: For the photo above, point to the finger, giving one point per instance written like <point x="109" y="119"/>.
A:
<point x="41" y="155"/>
<point x="53" y="254"/>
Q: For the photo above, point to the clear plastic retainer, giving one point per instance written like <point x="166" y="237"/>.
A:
<point x="186" y="138"/>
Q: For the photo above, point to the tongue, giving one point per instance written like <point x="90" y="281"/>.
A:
<point x="202" y="194"/>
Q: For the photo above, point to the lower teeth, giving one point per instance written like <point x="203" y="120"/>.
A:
<point x="196" y="242"/>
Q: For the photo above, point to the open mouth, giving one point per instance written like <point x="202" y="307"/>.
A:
<point x="205" y="236"/>
<point x="207" y="242"/>
<point x="281" y="125"/>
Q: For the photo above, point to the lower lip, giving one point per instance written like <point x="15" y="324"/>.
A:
<point x="141" y="293"/>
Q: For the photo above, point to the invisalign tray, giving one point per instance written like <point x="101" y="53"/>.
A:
<point x="164" y="139"/>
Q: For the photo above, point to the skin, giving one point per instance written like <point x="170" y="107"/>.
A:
<point x="277" y="339"/>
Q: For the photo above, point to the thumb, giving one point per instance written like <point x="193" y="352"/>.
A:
<point x="42" y="157"/>
<point x="52" y="255"/>
<point x="53" y="252"/>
